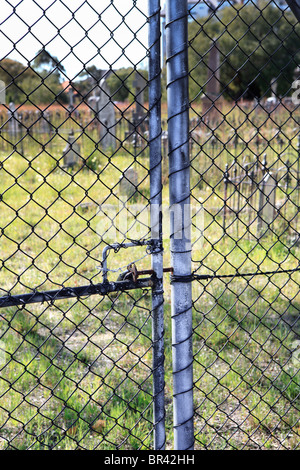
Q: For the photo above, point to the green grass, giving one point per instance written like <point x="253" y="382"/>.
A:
<point x="61" y="377"/>
<point x="74" y="363"/>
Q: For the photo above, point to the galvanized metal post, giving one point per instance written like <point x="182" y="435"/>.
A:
<point x="295" y="7"/>
<point x="180" y="220"/>
<point x="155" y="132"/>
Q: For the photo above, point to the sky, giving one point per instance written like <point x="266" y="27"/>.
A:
<point x="76" y="31"/>
<point x="79" y="32"/>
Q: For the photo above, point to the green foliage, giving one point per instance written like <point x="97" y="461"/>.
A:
<point x="120" y="82"/>
<point x="85" y="366"/>
<point x="44" y="60"/>
<point x="13" y="74"/>
<point x="39" y="83"/>
<point x="42" y="91"/>
<point x="254" y="44"/>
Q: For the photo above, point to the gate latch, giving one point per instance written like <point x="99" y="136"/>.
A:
<point x="132" y="273"/>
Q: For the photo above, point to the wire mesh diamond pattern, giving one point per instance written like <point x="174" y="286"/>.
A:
<point x="245" y="172"/>
<point x="76" y="369"/>
<point x="79" y="300"/>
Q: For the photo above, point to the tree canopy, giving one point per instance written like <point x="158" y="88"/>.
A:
<point x="120" y="82"/>
<point x="45" y="61"/>
<point x="13" y="74"/>
<point x="255" y="44"/>
<point x="38" y="83"/>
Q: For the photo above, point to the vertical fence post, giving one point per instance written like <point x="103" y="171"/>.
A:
<point x="156" y="222"/>
<point x="180" y="222"/>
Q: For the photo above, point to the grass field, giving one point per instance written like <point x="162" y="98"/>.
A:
<point x="78" y="373"/>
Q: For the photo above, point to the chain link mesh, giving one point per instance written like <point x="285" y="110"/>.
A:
<point x="244" y="143"/>
<point x="76" y="368"/>
<point x="76" y="318"/>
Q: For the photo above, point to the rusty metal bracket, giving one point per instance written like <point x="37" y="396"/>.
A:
<point x="133" y="273"/>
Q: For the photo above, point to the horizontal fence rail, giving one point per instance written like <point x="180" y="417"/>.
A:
<point x="77" y="292"/>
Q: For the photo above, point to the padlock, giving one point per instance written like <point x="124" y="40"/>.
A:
<point x="125" y="276"/>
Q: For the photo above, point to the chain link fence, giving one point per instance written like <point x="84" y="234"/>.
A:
<point x="149" y="169"/>
<point x="244" y="148"/>
<point x="77" y="346"/>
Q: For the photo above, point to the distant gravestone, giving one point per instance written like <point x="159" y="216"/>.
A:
<point x="164" y="140"/>
<point x="103" y="107"/>
<point x="71" y="154"/>
<point x="267" y="200"/>
<point x="2" y="92"/>
<point x="212" y="91"/>
<point x="93" y="102"/>
<point x="213" y="85"/>
<point x="139" y="84"/>
<point x="107" y="117"/>
<point x="273" y="85"/>
<point x="44" y="122"/>
<point x="71" y="97"/>
<point x="128" y="183"/>
<point x="296" y="74"/>
<point x="13" y="125"/>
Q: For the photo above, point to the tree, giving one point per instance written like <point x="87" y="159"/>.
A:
<point x="44" y="61"/>
<point x="255" y="44"/>
<point x="43" y="89"/>
<point x="13" y="74"/>
<point x="40" y="84"/>
<point x="46" y="86"/>
<point x="120" y="82"/>
<point x="88" y="79"/>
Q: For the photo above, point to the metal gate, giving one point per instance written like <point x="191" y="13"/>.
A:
<point x="244" y="161"/>
<point x="149" y="225"/>
<point x="81" y="329"/>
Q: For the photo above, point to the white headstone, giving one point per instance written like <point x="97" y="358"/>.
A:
<point x="71" y="154"/>
<point x="128" y="183"/>
<point x="44" y="123"/>
<point x="139" y="84"/>
<point x="12" y="116"/>
<point x="71" y="96"/>
<point x="267" y="199"/>
<point x="273" y="85"/>
<point x="2" y="92"/>
<point x="104" y="109"/>
<point x="107" y="117"/>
